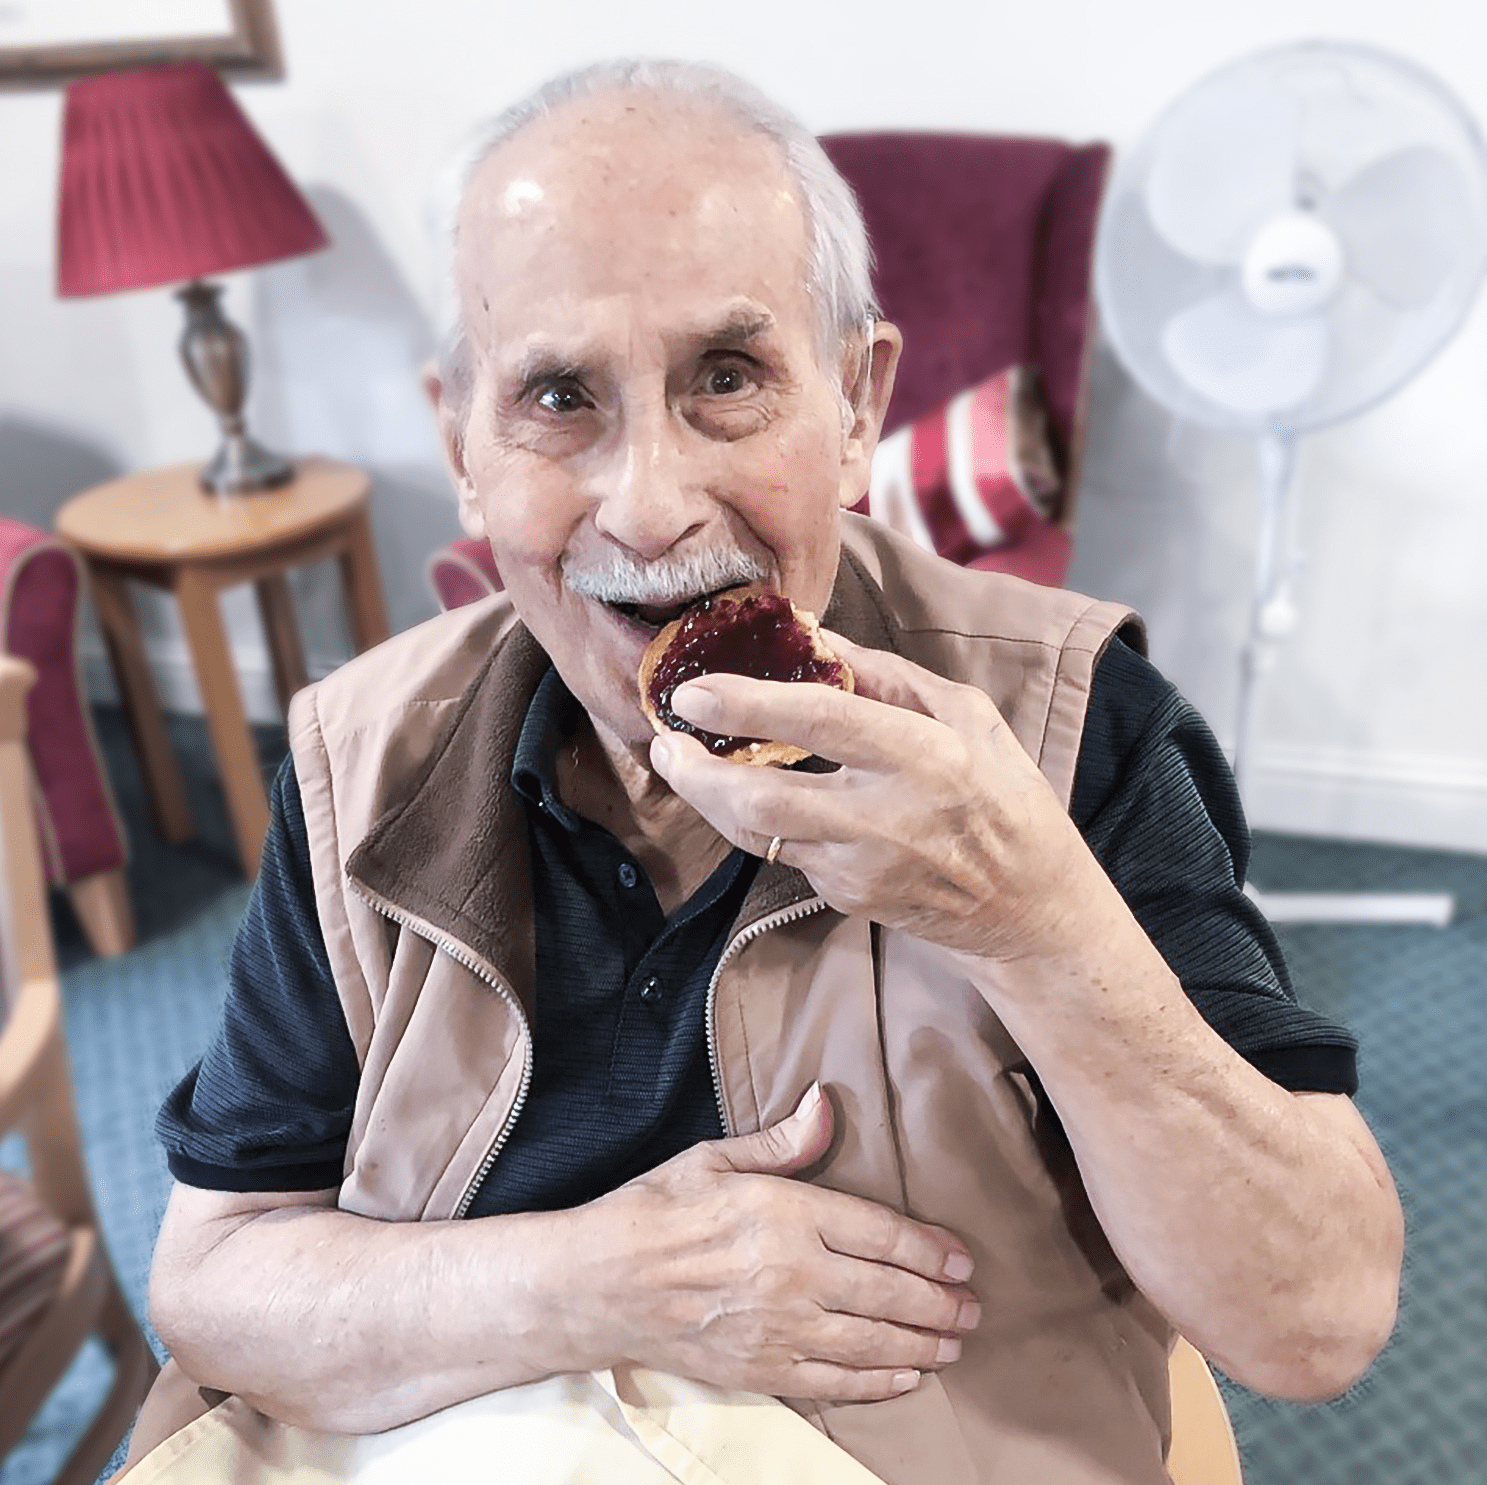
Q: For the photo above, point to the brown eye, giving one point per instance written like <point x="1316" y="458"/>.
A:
<point x="566" y="397"/>
<point x="725" y="381"/>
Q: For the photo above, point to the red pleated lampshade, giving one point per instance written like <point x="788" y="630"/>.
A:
<point x="164" y="179"/>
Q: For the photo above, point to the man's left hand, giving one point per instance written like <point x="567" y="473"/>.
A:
<point x="936" y="813"/>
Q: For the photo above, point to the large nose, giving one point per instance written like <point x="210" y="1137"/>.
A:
<point x="651" y="491"/>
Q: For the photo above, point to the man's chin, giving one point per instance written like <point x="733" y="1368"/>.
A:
<point x="624" y="727"/>
<point x="612" y="666"/>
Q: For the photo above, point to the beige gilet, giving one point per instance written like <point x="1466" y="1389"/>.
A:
<point x="419" y="855"/>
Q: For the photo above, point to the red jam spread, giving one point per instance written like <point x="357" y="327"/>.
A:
<point x="756" y="635"/>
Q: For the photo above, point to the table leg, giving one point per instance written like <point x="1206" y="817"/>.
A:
<point x="280" y="629"/>
<point x="101" y="903"/>
<point x="227" y="722"/>
<point x="157" y="757"/>
<point x="363" y="585"/>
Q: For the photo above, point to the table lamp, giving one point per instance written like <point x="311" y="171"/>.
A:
<point x="163" y="180"/>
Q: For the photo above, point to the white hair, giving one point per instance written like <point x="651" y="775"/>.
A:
<point x="839" y="266"/>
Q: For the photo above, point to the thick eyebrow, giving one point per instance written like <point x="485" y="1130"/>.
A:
<point x="541" y="366"/>
<point x="737" y="330"/>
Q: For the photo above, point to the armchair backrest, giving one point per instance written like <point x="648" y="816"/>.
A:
<point x="40" y="608"/>
<point x="984" y="249"/>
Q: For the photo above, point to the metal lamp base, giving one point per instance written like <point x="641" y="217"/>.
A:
<point x="242" y="466"/>
<point x="215" y="354"/>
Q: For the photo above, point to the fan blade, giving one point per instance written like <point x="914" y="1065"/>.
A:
<point x="1405" y="223"/>
<point x="1225" y="164"/>
<point x="1374" y="348"/>
<point x="1243" y="362"/>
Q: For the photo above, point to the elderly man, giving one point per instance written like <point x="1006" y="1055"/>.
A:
<point x="896" y="1090"/>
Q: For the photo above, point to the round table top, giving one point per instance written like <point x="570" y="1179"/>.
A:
<point x="164" y="516"/>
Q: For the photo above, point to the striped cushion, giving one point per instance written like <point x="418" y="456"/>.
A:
<point x="33" y="1254"/>
<point x="973" y="475"/>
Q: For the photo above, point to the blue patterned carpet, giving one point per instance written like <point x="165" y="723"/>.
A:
<point x="1417" y="997"/>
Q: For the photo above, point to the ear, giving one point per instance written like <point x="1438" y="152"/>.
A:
<point x="867" y="384"/>
<point x="452" y="445"/>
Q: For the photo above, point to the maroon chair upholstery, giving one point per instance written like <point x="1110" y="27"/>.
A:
<point x="462" y="572"/>
<point x="83" y="844"/>
<point x="984" y="251"/>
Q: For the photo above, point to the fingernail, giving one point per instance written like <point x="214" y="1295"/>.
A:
<point x="948" y="1350"/>
<point x="958" y="1267"/>
<point x="905" y="1381"/>
<point x="968" y="1316"/>
<point x="694" y="702"/>
<point x="660" y="754"/>
<point x="810" y="1101"/>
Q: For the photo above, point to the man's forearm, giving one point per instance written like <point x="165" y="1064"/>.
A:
<point x="334" y="1321"/>
<point x="715" y="1266"/>
<point x="1264" y="1224"/>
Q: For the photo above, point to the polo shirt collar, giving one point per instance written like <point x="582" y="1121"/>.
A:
<point x="551" y="722"/>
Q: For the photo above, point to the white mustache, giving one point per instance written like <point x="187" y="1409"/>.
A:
<point x="627" y="579"/>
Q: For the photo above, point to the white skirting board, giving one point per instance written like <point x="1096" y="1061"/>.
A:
<point x="1400" y="798"/>
<point x="1433" y="909"/>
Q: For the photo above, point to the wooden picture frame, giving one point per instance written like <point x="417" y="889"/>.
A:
<point x="248" y="48"/>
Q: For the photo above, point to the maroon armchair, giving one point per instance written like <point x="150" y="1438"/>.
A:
<point x="83" y="845"/>
<point x="462" y="572"/>
<point x="985" y="257"/>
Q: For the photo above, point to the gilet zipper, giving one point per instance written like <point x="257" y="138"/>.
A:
<point x="482" y="971"/>
<point x="744" y="936"/>
<point x="462" y="956"/>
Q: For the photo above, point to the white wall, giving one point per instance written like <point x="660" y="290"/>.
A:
<point x="1373" y="718"/>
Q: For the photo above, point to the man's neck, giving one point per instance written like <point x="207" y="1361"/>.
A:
<point x="612" y="783"/>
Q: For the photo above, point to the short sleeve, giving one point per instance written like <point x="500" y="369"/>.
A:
<point x="1158" y="806"/>
<point x="269" y="1106"/>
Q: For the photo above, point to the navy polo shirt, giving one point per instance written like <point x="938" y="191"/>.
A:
<point x="620" y="1075"/>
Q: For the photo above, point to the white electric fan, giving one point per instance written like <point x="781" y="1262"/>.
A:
<point x="1292" y="240"/>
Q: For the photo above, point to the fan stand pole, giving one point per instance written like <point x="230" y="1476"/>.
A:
<point x="1276" y="458"/>
<point x="1271" y="619"/>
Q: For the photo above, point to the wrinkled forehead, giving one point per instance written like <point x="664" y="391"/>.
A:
<point x="624" y="193"/>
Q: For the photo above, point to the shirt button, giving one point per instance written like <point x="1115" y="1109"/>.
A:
<point x="650" y="991"/>
<point x="628" y="875"/>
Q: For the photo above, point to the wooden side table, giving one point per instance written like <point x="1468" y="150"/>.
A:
<point x="161" y="528"/>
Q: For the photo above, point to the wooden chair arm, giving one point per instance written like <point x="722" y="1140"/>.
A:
<point x="16" y="680"/>
<point x="35" y="1082"/>
<point x="34" y="1019"/>
<point x="36" y="1098"/>
<point x="1203" y="1450"/>
<point x="25" y="925"/>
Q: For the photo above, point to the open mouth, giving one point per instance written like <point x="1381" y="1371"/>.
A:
<point x="658" y="615"/>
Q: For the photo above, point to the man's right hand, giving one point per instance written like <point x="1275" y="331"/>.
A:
<point x="717" y="1266"/>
